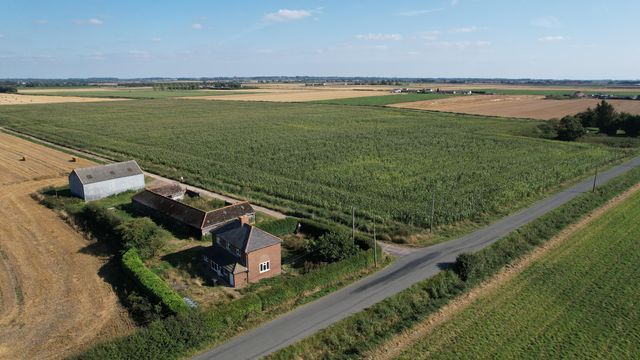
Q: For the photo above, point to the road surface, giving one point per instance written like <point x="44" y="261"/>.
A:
<point x="404" y="272"/>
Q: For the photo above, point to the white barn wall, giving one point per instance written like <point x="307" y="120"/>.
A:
<point x="106" y="188"/>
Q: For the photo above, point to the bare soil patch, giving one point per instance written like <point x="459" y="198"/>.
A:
<point x="54" y="302"/>
<point x="13" y="99"/>
<point x="516" y="106"/>
<point x="396" y="345"/>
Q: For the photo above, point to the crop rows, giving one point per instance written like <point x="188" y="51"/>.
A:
<point x="321" y="160"/>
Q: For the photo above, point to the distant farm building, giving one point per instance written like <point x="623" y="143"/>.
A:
<point x="165" y="203"/>
<point x="97" y="182"/>
<point x="243" y="254"/>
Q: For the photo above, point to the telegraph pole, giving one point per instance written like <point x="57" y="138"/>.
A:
<point x="375" y="242"/>
<point x="595" y="178"/>
<point x="433" y="205"/>
<point x="353" y="224"/>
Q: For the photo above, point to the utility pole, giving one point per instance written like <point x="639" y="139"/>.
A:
<point x="353" y="224"/>
<point x="595" y="178"/>
<point x="433" y="205"/>
<point x="375" y="243"/>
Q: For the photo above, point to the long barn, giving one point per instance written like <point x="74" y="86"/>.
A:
<point x="97" y="182"/>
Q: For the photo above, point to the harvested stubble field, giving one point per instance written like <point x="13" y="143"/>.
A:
<point x="14" y="99"/>
<point x="53" y="302"/>
<point x="516" y="106"/>
<point x="578" y="300"/>
<point x="322" y="160"/>
<point x="298" y="95"/>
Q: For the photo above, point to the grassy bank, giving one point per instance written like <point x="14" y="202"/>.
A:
<point x="362" y="332"/>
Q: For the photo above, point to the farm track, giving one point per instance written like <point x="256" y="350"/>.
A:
<point x="270" y="212"/>
<point x="54" y="302"/>
<point x="396" y="345"/>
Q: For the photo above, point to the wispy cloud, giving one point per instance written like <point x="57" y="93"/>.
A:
<point x="283" y="15"/>
<point x="40" y="21"/>
<point x="468" y="29"/>
<point x="454" y="2"/>
<point x="95" y="56"/>
<point x="156" y="39"/>
<point x="379" y="37"/>
<point x="91" y="21"/>
<point x="417" y="12"/>
<point x="427" y="35"/>
<point x="461" y="45"/>
<point x="547" y="22"/>
<point x="139" y="54"/>
<point x="552" y="38"/>
<point x="1" y="36"/>
<point x="197" y="26"/>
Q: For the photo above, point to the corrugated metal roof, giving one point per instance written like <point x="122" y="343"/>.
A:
<point x="94" y="174"/>
<point x="248" y="238"/>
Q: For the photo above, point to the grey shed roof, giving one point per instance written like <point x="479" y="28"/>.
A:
<point x="94" y="174"/>
<point x="248" y="238"/>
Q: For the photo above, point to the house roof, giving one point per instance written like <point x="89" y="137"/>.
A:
<point x="173" y="208"/>
<point x="169" y="189"/>
<point x="227" y="213"/>
<point x="189" y="215"/>
<point x="94" y="174"/>
<point x="225" y="260"/>
<point x="247" y="238"/>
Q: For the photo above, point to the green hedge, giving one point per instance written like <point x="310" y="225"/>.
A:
<point x="152" y="283"/>
<point x="362" y="332"/>
<point x="284" y="290"/>
<point x="280" y="227"/>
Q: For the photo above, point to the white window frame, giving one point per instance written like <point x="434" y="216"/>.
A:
<point x="264" y="266"/>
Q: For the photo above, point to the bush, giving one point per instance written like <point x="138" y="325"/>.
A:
<point x="569" y="128"/>
<point x="152" y="283"/>
<point x="630" y="124"/>
<point x="332" y="247"/>
<point x="280" y="227"/>
<point x="143" y="235"/>
<point x="143" y="310"/>
<point x="587" y="118"/>
<point x="8" y="89"/>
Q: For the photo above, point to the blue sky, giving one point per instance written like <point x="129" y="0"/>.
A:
<point x="566" y="39"/>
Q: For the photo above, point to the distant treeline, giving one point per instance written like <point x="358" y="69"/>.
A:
<point x="8" y="89"/>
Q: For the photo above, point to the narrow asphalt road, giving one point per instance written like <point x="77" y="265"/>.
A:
<point x="404" y="272"/>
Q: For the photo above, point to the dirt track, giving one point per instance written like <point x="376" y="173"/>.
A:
<point x="53" y="302"/>
<point x="518" y="106"/>
<point x="12" y="99"/>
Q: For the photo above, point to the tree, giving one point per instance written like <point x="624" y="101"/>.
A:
<point x="630" y="124"/>
<point x="587" y="118"/>
<point x="607" y="118"/>
<point x="144" y="235"/>
<point x="569" y="128"/>
<point x="10" y="89"/>
<point x="332" y="247"/>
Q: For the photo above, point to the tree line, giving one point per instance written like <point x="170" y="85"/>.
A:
<point x="604" y="117"/>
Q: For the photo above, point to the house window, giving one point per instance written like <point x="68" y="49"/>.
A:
<point x="265" y="266"/>
<point x="237" y="252"/>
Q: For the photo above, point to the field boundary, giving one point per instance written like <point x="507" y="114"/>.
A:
<point x="103" y="159"/>
<point x="396" y="345"/>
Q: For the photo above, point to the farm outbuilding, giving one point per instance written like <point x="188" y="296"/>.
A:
<point x="97" y="182"/>
<point x="199" y="222"/>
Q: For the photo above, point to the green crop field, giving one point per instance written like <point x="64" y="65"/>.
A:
<point x="138" y="93"/>
<point x="580" y="301"/>
<point x="382" y="100"/>
<point x="321" y="160"/>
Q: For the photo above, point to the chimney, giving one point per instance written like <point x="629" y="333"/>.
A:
<point x="244" y="219"/>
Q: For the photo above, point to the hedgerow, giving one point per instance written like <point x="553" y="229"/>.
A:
<point x="152" y="283"/>
<point x="280" y="227"/>
<point x="359" y="333"/>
